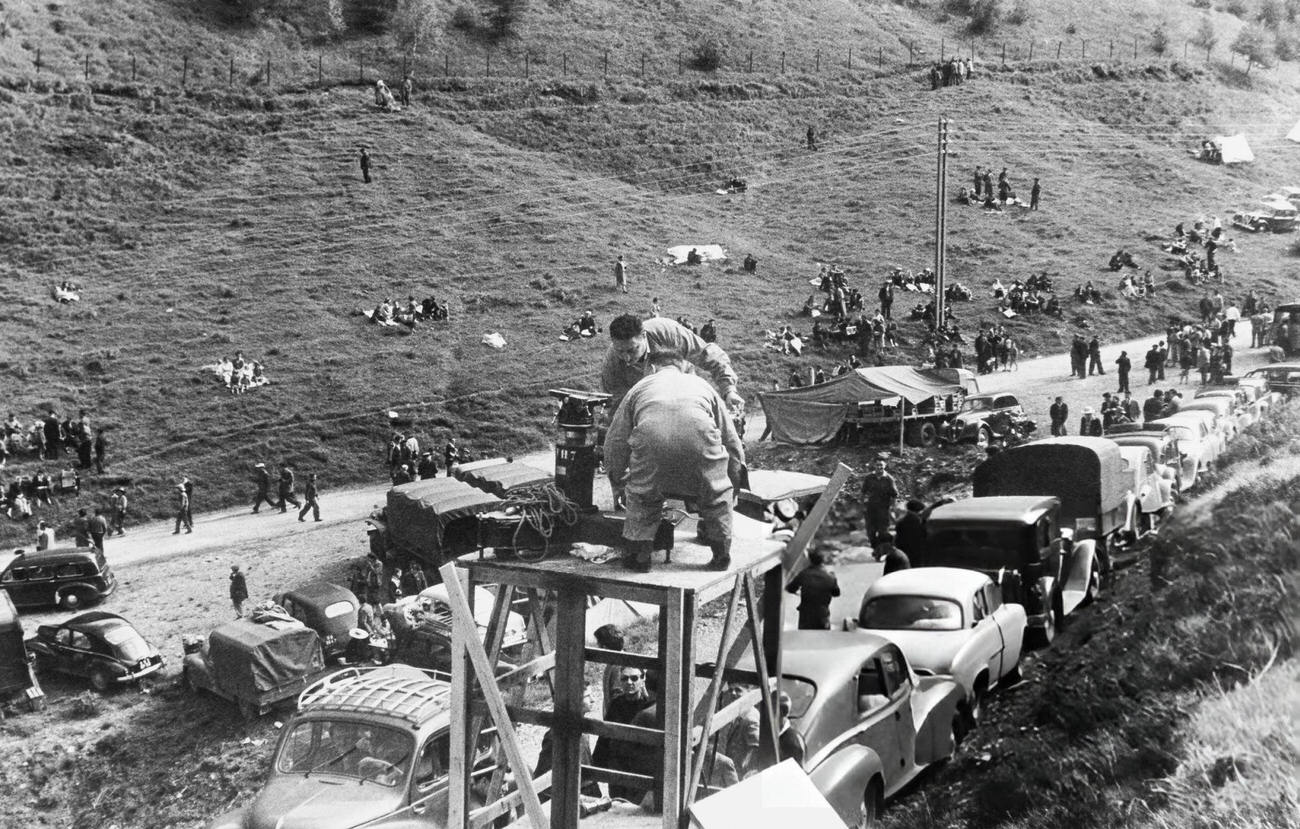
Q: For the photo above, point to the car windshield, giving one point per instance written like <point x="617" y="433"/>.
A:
<point x="977" y="404"/>
<point x="910" y="613"/>
<point x="801" y="693"/>
<point x="128" y="644"/>
<point x="976" y="547"/>
<point x="368" y="752"/>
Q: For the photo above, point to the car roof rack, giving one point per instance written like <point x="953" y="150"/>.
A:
<point x="412" y="695"/>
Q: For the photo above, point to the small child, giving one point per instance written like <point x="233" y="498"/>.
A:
<point x="238" y="590"/>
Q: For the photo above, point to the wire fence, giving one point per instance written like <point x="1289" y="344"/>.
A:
<point x="293" y="70"/>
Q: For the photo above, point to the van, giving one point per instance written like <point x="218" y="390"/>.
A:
<point x="70" y="577"/>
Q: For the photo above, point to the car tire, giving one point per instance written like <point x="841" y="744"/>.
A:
<point x="983" y="438"/>
<point x="927" y="435"/>
<point x="975" y="714"/>
<point x="1094" y="585"/>
<point x="73" y="600"/>
<point x="1042" y="637"/>
<point x="100" y="681"/>
<point x="873" y="805"/>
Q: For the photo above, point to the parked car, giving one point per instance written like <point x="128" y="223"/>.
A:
<point x="1246" y="408"/>
<point x="326" y="608"/>
<point x="1222" y="410"/>
<point x="869" y="724"/>
<point x="254" y="664"/>
<point x="1017" y="541"/>
<point x="1281" y="214"/>
<point x="1280" y="377"/>
<point x="951" y="622"/>
<point x="1164" y="447"/>
<point x="983" y="417"/>
<point x="1252" y="221"/>
<point x="1256" y="392"/>
<point x="350" y="757"/>
<point x="16" y="675"/>
<point x="1153" y="485"/>
<point x="1195" y="438"/>
<point x="101" y="647"/>
<point x="436" y="598"/>
<point x="70" y="577"/>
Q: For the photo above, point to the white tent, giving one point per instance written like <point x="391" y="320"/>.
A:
<point x="1233" y="148"/>
<point x="1294" y="134"/>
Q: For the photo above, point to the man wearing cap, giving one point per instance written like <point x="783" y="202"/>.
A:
<point x="893" y="558"/>
<point x="118" y="502"/>
<point x="672" y="437"/>
<point x="909" y="531"/>
<point x="1059" y="412"/>
<point x="44" y="536"/>
<point x="879" y="491"/>
<point x="98" y="529"/>
<point x="309" y="500"/>
<point x="428" y="467"/>
<point x="81" y="529"/>
<point x="1090" y="424"/>
<point x="181" y="500"/>
<point x="633" y="340"/>
<point x="262" y="479"/>
<point x="286" y="489"/>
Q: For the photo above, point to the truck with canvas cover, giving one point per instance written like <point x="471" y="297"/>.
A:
<point x="880" y="403"/>
<point x="1087" y="476"/>
<point x="433" y="520"/>
<point x="16" y="676"/>
<point x="1018" y="542"/>
<point x="254" y="664"/>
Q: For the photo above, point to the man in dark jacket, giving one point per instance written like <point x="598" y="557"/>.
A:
<point x="1090" y="425"/>
<point x="309" y="500"/>
<point x="816" y="586"/>
<point x="1094" y="356"/>
<point x="1060" y="414"/>
<point x="909" y="531"/>
<point x="1154" y="363"/>
<point x="1153" y="408"/>
<point x="262" y="479"/>
<point x="286" y="489"/>
<point x="1124" y="365"/>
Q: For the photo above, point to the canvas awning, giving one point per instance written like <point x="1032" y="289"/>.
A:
<point x="1294" y="134"/>
<point x="1233" y="149"/>
<point x="503" y="477"/>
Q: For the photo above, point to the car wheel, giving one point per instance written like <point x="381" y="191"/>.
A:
<point x="1094" y="584"/>
<point x="976" y="711"/>
<point x="927" y="435"/>
<point x="873" y="804"/>
<point x="100" y="681"/>
<point x="72" y="600"/>
<point x="983" y="437"/>
<point x="1042" y="637"/>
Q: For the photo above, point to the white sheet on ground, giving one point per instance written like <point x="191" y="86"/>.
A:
<point x="708" y="253"/>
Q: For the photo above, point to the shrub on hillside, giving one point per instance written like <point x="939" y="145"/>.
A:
<point x="1200" y="4"/>
<point x="1271" y="13"/>
<point x="1019" y="14"/>
<point x="706" y="55"/>
<point x="1252" y="44"/>
<point x="1287" y="47"/>
<point x="1240" y="8"/>
<point x="984" y="15"/>
<point x="368" y="15"/>
<point x="1160" y="39"/>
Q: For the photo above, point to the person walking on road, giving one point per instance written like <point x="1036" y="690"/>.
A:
<point x="182" y="503"/>
<point x="98" y="529"/>
<point x="309" y="500"/>
<point x="118" y="502"/>
<point x="1123" y="365"/>
<point x="262" y="479"/>
<point x="81" y="529"/>
<point x="286" y="489"/>
<point x="238" y="590"/>
<point x="1094" y="356"/>
<point x="1152" y="363"/>
<point x="879" y="491"/>
<point x="816" y="586"/>
<point x="1059" y="412"/>
<point x="189" y="500"/>
<point x="620" y="275"/>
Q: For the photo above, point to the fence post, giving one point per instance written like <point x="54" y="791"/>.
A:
<point x="909" y="53"/>
<point x="751" y="60"/>
<point x="446" y="65"/>
<point x="1031" y="51"/>
<point x="679" y="63"/>
<point x="850" y="58"/>
<point x="487" y="57"/>
<point x="643" y="65"/>
<point x="404" y="65"/>
<point x="185" y="69"/>
<point x="1111" y="56"/>
<point x="88" y="68"/>
<point x="1135" y="47"/>
<point x="361" y="67"/>
<point x="132" y="67"/>
<point x="783" y="63"/>
<point x="818" y="61"/>
<point x="880" y="57"/>
<point x="566" y="64"/>
<point x="1184" y="50"/>
<point x="38" y="59"/>
<point x="1084" y="47"/>
<point x="605" y="64"/>
<point x="528" y="65"/>
<point x="268" y="73"/>
<point x="1004" y="53"/>
<point x="1058" y="50"/>
<point x="320" y="70"/>
<point x="943" y="47"/>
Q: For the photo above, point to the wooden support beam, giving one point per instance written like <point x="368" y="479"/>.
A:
<point x="507" y="804"/>
<point x="570" y="681"/>
<point x="465" y="641"/>
<point x="793" y="560"/>
<point x="624" y="659"/>
<point x="715" y="687"/>
<point x="767" y="708"/>
<point x="670" y="710"/>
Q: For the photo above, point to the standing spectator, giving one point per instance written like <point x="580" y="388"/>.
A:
<point x="812" y="138"/>
<point x="101" y="449"/>
<point x="427" y="469"/>
<point x="365" y="165"/>
<point x="53" y="437"/>
<point x="98" y="529"/>
<point x="617" y="754"/>
<point x="182" y="504"/>
<point x="1230" y="316"/>
<point x="1162" y="355"/>
<point x="879" y="491"/>
<point x="309" y="500"/>
<point x="262" y="479"/>
<point x="1123" y="365"/>
<point x="610" y="637"/>
<point x="238" y="590"/>
<point x="1059" y="412"/>
<point x="909" y="531"/>
<point x="189" y="500"/>
<point x="1094" y="356"/>
<point x="979" y="181"/>
<point x="286" y="489"/>
<point x="894" y="558"/>
<point x="988" y="183"/>
<point x="1152" y="364"/>
<point x="85" y="446"/>
<point x="1090" y="425"/>
<point x="408" y="86"/>
<point x="620" y="275"/>
<point x="81" y="529"/>
<point x="1154" y="406"/>
<point x="1033" y="195"/>
<point x="816" y="586"/>
<point x="789" y="744"/>
<point x="739" y="739"/>
<point x="44" y="536"/>
<point x="450" y="454"/>
<point x="118" y="502"/>
<point x="886" y="297"/>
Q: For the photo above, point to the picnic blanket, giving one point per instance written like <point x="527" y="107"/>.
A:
<point x="707" y="253"/>
<point x="227" y="377"/>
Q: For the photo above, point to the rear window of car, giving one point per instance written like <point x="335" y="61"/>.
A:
<point x="911" y="613"/>
<point x="801" y="691"/>
<point x="336" y="609"/>
<point x="129" y="644"/>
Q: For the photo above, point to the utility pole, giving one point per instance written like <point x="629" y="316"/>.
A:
<point x="940" y="224"/>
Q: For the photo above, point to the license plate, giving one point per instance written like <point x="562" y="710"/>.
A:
<point x="142" y="664"/>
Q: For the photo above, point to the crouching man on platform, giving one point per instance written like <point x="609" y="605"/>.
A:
<point x="672" y="436"/>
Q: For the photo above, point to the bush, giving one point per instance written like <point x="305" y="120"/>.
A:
<point x="706" y="55"/>
<point x="1019" y="14"/>
<point x="1160" y="39"/>
<point x="1287" y="47"/>
<point x="984" y="15"/>
<point x="465" y="18"/>
<point x="1271" y="13"/>
<point x="1200" y="4"/>
<point x="1237" y="7"/>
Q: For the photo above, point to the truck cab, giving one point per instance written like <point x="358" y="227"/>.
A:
<point x="1017" y="541"/>
<point x="367" y="747"/>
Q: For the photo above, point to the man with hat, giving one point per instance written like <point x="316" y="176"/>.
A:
<point x="44" y="536"/>
<point x="238" y="590"/>
<point x="909" y="531"/>
<point x="1090" y="424"/>
<point x="879" y="491"/>
<point x="262" y="479"/>
<point x="428" y="467"/>
<point x="118" y="502"/>
<point x="181" y="500"/>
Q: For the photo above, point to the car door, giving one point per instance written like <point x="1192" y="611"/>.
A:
<point x="14" y="581"/>
<point x="80" y="653"/>
<point x="898" y="682"/>
<point x="429" y="783"/>
<point x="985" y="642"/>
<point x="61" y="658"/>
<point x="1010" y="622"/>
<point x="880" y="717"/>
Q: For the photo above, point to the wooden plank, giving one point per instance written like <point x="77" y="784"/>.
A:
<point x="625" y="659"/>
<point x="711" y="696"/>
<point x="626" y="778"/>
<point x="528" y="670"/>
<point x="570" y="684"/>
<point x="670" y="709"/>
<point x="460" y="763"/>
<point x="685" y="662"/>
<point x="590" y="725"/>
<point x="767" y="708"/>
<point x="506" y="804"/>
<point x="793" y="559"/>
<point x="735" y="709"/>
<point x="463" y="619"/>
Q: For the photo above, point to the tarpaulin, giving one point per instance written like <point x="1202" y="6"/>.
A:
<point x="503" y="477"/>
<point x="419" y="512"/>
<point x="250" y="660"/>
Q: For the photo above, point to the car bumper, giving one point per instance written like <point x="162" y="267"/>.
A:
<point x="139" y="674"/>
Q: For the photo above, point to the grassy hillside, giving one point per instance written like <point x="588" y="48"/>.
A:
<point x="209" y="221"/>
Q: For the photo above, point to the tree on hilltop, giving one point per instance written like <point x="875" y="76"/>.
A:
<point x="1205" y="37"/>
<point x="1252" y="44"/>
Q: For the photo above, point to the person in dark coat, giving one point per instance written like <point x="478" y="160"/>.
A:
<point x="238" y="590"/>
<point x="1154" y="364"/>
<point x="1059" y="412"/>
<point x="101" y="449"/>
<point x="790" y="744"/>
<point x="617" y="754"/>
<point x="262" y="479"/>
<point x="1034" y="193"/>
<point x="286" y="489"/>
<point x="1123" y="364"/>
<point x="365" y="165"/>
<point x="816" y="586"/>
<point x="1094" y="356"/>
<point x="1090" y="425"/>
<point x="309" y="502"/>
<point x="909" y="530"/>
<point x="894" y="558"/>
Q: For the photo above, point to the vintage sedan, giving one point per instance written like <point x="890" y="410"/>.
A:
<point x="1153" y="485"/>
<point x="1222" y="410"/>
<point x="868" y="724"/>
<point x="326" y="608"/>
<point x="1164" y="448"/>
<point x="980" y="416"/>
<point x="1283" y="378"/>
<point x="1247" y="409"/>
<point x="1195" y="436"/>
<point x="101" y="647"/>
<point x="949" y="621"/>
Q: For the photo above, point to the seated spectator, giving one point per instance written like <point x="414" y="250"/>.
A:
<point x="693" y="257"/>
<point x="67" y="292"/>
<point x="751" y="264"/>
<point x="19" y="507"/>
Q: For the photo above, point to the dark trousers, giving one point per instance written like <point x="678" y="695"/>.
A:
<point x="312" y="507"/>
<point x="97" y="541"/>
<point x="287" y="497"/>
<point x="1151" y="376"/>
<point x="1058" y="430"/>
<point x="1123" y="381"/>
<point x="263" y="495"/>
<point x="1094" y="362"/>
<point x="99" y="462"/>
